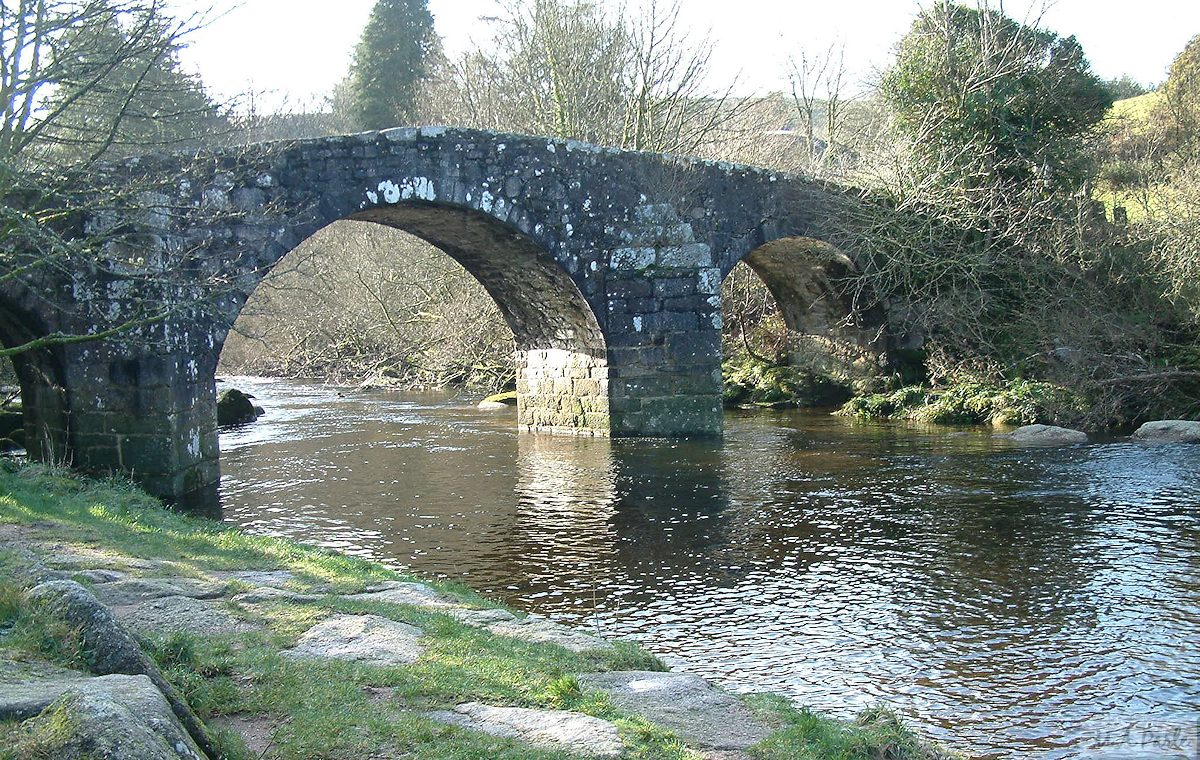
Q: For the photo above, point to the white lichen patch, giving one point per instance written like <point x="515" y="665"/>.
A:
<point x="708" y="281"/>
<point x="389" y="191"/>
<point x="419" y="187"/>
<point x="486" y="201"/>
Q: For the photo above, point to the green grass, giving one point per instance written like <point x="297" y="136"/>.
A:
<point x="327" y="709"/>
<point x="875" y="734"/>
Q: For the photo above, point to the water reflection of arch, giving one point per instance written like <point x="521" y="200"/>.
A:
<point x="566" y="498"/>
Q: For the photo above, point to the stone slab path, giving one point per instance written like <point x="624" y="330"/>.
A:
<point x="369" y="639"/>
<point x="694" y="709"/>
<point x="547" y="729"/>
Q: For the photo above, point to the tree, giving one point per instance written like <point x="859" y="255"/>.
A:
<point x="1125" y="87"/>
<point x="567" y="69"/>
<point x="986" y="102"/>
<point x="83" y="79"/>
<point x="1181" y="95"/>
<point x="390" y="61"/>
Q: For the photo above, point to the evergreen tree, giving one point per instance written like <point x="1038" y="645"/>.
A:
<point x="389" y="63"/>
<point x="122" y="91"/>
<point x="85" y="80"/>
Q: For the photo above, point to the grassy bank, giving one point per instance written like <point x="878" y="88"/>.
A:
<point x="312" y="709"/>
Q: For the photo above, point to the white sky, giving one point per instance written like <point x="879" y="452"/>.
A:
<point x="298" y="49"/>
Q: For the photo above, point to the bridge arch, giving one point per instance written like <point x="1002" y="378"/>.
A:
<point x="560" y="349"/>
<point x="828" y="334"/>
<point x="45" y="408"/>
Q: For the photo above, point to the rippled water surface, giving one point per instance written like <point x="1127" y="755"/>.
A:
<point x="1014" y="602"/>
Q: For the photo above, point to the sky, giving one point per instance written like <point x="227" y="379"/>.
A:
<point x="295" y="51"/>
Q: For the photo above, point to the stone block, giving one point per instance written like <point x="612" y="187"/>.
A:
<point x="151" y="454"/>
<point x="672" y="287"/>
<point x="693" y="347"/>
<point x="685" y="256"/>
<point x="630" y="288"/>
<point x="657" y="214"/>
<point x="632" y="258"/>
<point x="697" y="304"/>
<point x="709" y="281"/>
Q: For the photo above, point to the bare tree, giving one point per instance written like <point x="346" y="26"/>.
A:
<point x="566" y="68"/>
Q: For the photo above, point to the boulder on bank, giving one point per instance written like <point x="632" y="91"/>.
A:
<point x="1176" y="431"/>
<point x="120" y="716"/>
<point x="552" y="730"/>
<point x="235" y="408"/>
<point x="110" y="649"/>
<point x="1050" y="435"/>
<point x="368" y="639"/>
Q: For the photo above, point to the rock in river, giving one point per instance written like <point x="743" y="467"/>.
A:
<point x="235" y="407"/>
<point x="1049" y="435"/>
<point x="1179" y="431"/>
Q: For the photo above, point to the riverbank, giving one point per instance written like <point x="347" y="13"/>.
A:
<point x="230" y="619"/>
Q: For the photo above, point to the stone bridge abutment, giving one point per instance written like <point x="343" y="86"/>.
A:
<point x="607" y="266"/>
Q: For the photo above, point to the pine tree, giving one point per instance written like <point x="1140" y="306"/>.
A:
<point x="390" y="61"/>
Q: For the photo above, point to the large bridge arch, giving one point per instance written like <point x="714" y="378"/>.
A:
<point x="561" y="352"/>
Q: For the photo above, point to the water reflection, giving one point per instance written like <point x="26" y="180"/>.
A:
<point x="1018" y="602"/>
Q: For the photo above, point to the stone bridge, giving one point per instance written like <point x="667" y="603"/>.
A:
<point x="607" y="265"/>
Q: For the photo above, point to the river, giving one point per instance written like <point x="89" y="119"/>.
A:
<point x="1010" y="601"/>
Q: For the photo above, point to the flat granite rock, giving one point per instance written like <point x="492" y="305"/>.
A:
<point x="535" y="629"/>
<point x="368" y="639"/>
<point x="694" y="709"/>
<point x="117" y="716"/>
<point x="86" y="560"/>
<point x="27" y="688"/>
<point x="1175" y="431"/>
<point x="554" y="730"/>
<point x="181" y="613"/>
<point x="272" y="594"/>
<point x="121" y="593"/>
<point x="400" y="592"/>
<point x="103" y="576"/>
<point x="275" y="578"/>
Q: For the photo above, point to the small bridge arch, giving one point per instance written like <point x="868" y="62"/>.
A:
<point x="829" y="334"/>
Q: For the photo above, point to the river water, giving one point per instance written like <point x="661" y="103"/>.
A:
<point x="1013" y="602"/>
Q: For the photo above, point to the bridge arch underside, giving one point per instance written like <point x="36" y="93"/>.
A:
<point x="561" y="354"/>
<point x="827" y="334"/>
<point x="45" y="431"/>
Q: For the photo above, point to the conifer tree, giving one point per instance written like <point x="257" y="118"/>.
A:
<point x="389" y="63"/>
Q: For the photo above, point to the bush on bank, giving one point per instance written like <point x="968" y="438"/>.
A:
<point x="1019" y="402"/>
